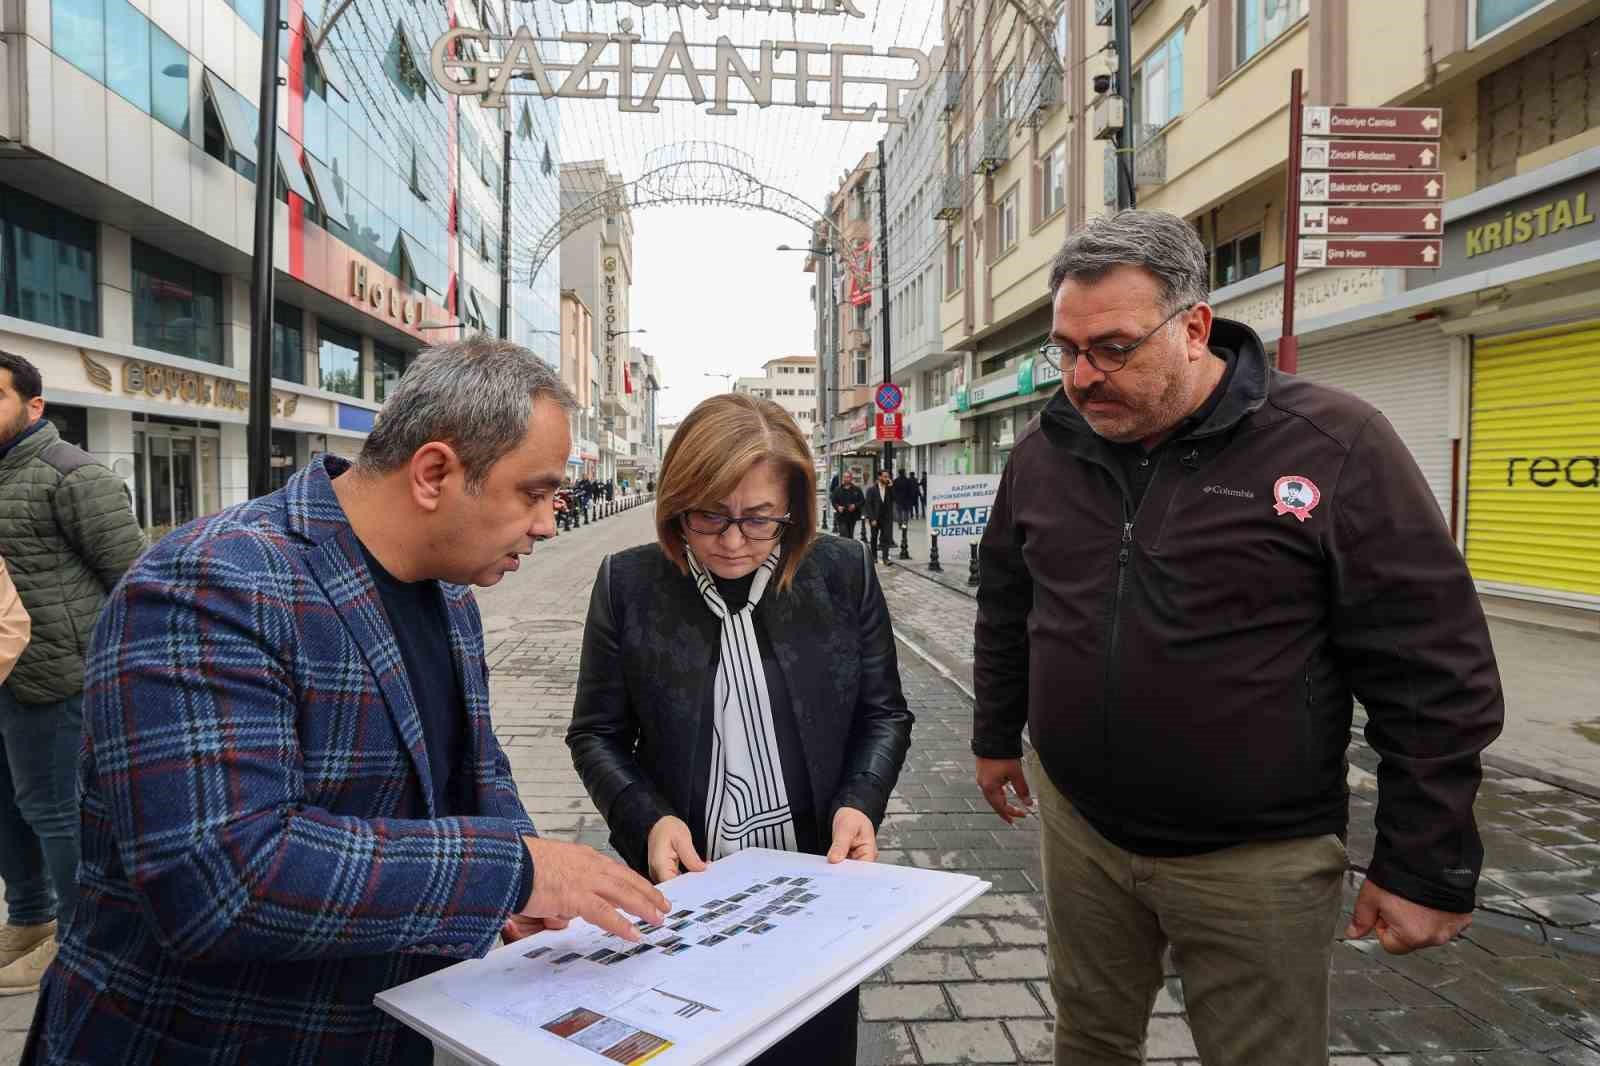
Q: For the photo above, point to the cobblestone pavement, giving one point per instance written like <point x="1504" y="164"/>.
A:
<point x="1516" y="992"/>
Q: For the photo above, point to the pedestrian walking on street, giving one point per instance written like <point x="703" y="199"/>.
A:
<point x="67" y="533"/>
<point x="879" y="512"/>
<point x="1193" y="563"/>
<point x="294" y="796"/>
<point x="738" y="685"/>
<point x="847" y="502"/>
<point x="905" y="503"/>
<point x="922" y="495"/>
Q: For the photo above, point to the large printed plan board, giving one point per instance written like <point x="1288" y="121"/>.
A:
<point x="754" y="946"/>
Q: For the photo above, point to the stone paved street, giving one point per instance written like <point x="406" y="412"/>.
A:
<point x="1523" y="988"/>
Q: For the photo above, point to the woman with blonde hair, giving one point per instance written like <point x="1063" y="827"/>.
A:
<point x="738" y="685"/>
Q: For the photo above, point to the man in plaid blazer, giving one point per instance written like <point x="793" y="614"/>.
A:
<point x="264" y="844"/>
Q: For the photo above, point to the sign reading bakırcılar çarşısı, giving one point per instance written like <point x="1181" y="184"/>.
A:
<point x="845" y="82"/>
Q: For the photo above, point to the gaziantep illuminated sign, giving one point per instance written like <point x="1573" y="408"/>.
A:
<point x="844" y="82"/>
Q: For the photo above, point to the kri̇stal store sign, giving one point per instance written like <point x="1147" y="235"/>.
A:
<point x="613" y="64"/>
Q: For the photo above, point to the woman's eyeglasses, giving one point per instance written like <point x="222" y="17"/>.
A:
<point x="1106" y="358"/>
<point x="754" y="527"/>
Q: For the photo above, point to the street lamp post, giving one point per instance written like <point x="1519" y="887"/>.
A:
<point x="829" y="355"/>
<point x="259" y="431"/>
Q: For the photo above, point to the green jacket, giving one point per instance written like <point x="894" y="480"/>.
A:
<point x="68" y="533"/>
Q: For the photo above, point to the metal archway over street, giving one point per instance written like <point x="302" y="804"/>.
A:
<point x="699" y="173"/>
<point x="612" y="64"/>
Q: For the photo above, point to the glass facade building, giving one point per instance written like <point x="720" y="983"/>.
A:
<point x="390" y="237"/>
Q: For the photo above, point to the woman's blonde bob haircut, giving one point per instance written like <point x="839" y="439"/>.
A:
<point x="712" y="451"/>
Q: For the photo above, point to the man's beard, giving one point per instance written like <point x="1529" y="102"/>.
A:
<point x="1134" y="424"/>
<point x="16" y="428"/>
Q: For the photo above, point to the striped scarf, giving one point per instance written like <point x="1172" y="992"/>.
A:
<point x="746" y="804"/>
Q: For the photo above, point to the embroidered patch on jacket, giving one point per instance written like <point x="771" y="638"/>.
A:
<point x="1295" y="494"/>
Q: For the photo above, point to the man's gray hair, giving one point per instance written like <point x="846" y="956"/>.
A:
<point x="1163" y="244"/>
<point x="475" y="395"/>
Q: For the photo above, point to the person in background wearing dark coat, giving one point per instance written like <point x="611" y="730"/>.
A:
<point x="1193" y="564"/>
<point x="905" y="503"/>
<point x="68" y="534"/>
<point x="879" y="512"/>
<point x="743" y="625"/>
<point x="922" y="495"/>
<point x="847" y="502"/>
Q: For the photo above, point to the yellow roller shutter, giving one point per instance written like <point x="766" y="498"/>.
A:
<point x="1533" y="479"/>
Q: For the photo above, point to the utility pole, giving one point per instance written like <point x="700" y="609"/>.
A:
<point x="883" y="272"/>
<point x="1122" y="29"/>
<point x="505" y="230"/>
<point x="1288" y="343"/>
<point x="259" y="431"/>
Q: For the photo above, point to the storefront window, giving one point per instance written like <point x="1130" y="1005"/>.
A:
<point x="288" y="344"/>
<point x="339" y="360"/>
<point x="389" y="364"/>
<point x="177" y="471"/>
<point x="71" y="422"/>
<point x="177" y="306"/>
<point x="48" y="264"/>
<point x="283" y="458"/>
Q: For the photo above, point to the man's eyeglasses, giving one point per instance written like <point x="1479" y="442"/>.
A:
<point x="754" y="527"/>
<point x="1106" y="358"/>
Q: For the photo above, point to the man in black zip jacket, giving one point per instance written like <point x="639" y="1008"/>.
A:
<point x="1192" y="565"/>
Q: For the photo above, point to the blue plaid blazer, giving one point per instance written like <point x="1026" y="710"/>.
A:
<point x="261" y="854"/>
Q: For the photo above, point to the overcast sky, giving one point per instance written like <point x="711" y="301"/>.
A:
<point x="709" y="287"/>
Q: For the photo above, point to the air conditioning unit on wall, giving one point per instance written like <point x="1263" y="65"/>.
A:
<point x="1107" y="116"/>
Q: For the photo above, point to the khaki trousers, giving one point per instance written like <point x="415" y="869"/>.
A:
<point x="1251" y="930"/>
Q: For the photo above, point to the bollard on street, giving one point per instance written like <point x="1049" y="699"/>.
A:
<point x="972" y="569"/>
<point x="905" y="543"/>
<point x="933" y="554"/>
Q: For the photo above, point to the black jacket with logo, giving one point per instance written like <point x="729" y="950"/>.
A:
<point x="1186" y="666"/>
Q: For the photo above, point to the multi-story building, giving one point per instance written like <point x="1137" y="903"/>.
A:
<point x="643" y="381"/>
<point x="577" y="371"/>
<point x="790" y="381"/>
<point x="919" y="362"/>
<point x="128" y="170"/>
<point x="1486" y="365"/>
<point x="847" y="323"/>
<point x="597" y="265"/>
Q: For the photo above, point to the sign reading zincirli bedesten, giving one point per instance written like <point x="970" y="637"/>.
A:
<point x="841" y="81"/>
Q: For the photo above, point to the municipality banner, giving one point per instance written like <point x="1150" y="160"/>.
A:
<point x="958" y="506"/>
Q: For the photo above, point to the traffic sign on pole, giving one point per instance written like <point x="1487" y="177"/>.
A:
<point x="1415" y="185"/>
<point x="1373" y="121"/>
<point x="1373" y="253"/>
<point x="1337" y="219"/>
<point x="1369" y="155"/>
<point x="889" y="397"/>
<point x="890" y="426"/>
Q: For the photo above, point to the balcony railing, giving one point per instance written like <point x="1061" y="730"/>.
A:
<point x="1149" y="163"/>
<point x="952" y="90"/>
<point x="1041" y="91"/>
<point x="995" y="150"/>
<point x="952" y="197"/>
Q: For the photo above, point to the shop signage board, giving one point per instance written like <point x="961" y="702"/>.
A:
<point x="1338" y="220"/>
<point x="1373" y="121"/>
<point x="889" y="397"/>
<point x="1369" y="155"/>
<point x="959" y="505"/>
<point x="1422" y="186"/>
<point x="1379" y="252"/>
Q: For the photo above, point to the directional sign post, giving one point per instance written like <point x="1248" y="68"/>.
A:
<point x="1373" y="121"/>
<point x="1373" y="253"/>
<point x="1338" y="219"/>
<point x="1341" y="157"/>
<point x="1397" y="187"/>
<point x="1369" y="155"/>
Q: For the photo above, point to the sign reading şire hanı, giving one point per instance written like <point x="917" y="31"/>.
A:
<point x="844" y="80"/>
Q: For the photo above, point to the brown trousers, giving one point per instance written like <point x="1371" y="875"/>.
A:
<point x="1251" y="930"/>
